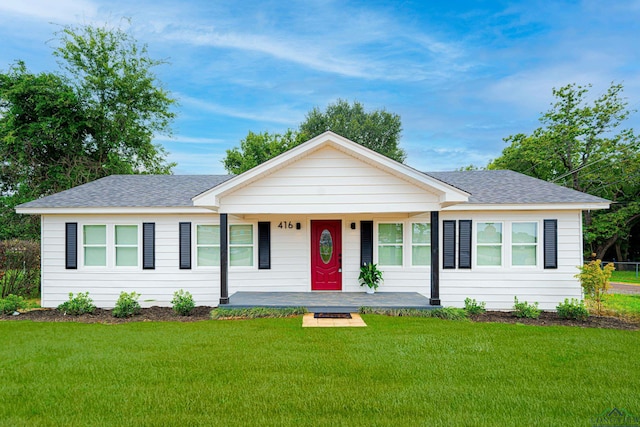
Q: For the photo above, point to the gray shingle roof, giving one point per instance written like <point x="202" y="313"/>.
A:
<point x="485" y="187"/>
<point x="508" y="187"/>
<point x="132" y="191"/>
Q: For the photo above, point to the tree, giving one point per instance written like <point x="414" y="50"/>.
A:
<point x="378" y="130"/>
<point x="58" y="131"/>
<point x="580" y="145"/>
<point x="257" y="148"/>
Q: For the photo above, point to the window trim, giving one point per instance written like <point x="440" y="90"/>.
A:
<point x="110" y="230"/>
<point x="105" y="246"/>
<point x="504" y="263"/>
<point x="253" y="247"/>
<point x="412" y="245"/>
<point x="402" y="245"/>
<point x="537" y="244"/>
<point x="137" y="246"/>
<point x="197" y="246"/>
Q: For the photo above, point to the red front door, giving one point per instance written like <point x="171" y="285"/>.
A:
<point x="326" y="255"/>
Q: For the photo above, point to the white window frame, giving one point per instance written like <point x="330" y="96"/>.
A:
<point x="503" y="261"/>
<point x="253" y="247"/>
<point x="402" y="245"/>
<point x="105" y="246"/>
<point x="197" y="245"/>
<point x="115" y="246"/>
<point x="537" y="244"/>
<point x="411" y="244"/>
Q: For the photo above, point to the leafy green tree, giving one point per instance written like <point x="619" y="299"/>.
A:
<point x="257" y="148"/>
<point x="581" y="145"/>
<point x="58" y="131"/>
<point x="378" y="130"/>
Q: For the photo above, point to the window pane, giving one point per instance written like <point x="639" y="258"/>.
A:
<point x="208" y="256"/>
<point x="525" y="232"/>
<point x="126" y="234"/>
<point x="421" y="233"/>
<point x="389" y="233"/>
<point x="94" y="257"/>
<point x="489" y="255"/>
<point x="126" y="257"/>
<point x="241" y="235"/>
<point x="241" y="256"/>
<point x="489" y="232"/>
<point x="95" y="234"/>
<point x="390" y="255"/>
<point x="421" y="255"/>
<point x="524" y="255"/>
<point x="208" y="234"/>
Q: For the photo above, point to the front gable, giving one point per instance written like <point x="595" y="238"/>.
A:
<point x="330" y="174"/>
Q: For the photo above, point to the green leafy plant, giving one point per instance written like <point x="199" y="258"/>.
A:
<point x="256" y="312"/>
<point x="182" y="302"/>
<point x="80" y="304"/>
<point x="12" y="303"/>
<point x="526" y="310"/>
<point x="448" y="313"/>
<point x="595" y="281"/>
<point x="370" y="276"/>
<point x="572" y="309"/>
<point x="472" y="307"/>
<point x="127" y="305"/>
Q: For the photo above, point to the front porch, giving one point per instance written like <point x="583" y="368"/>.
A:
<point x="330" y="302"/>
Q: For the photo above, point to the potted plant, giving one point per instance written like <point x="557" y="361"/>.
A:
<point x="370" y="277"/>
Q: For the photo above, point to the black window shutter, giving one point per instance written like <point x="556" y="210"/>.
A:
<point x="185" y="245"/>
<point x="550" y="243"/>
<point x="71" y="245"/>
<point x="264" y="245"/>
<point x="464" y="243"/>
<point x="366" y="242"/>
<point x="148" y="245"/>
<point x="448" y="244"/>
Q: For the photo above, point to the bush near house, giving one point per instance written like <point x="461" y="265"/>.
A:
<point x="526" y="310"/>
<point x="127" y="305"/>
<point x="182" y="302"/>
<point x="80" y="304"/>
<point x="12" y="303"/>
<point x="572" y="309"/>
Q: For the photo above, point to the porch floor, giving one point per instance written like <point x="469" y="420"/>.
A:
<point x="329" y="302"/>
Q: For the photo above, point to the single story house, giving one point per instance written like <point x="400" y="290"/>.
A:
<point x="306" y="221"/>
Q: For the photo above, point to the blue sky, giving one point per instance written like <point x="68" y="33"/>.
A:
<point x="461" y="74"/>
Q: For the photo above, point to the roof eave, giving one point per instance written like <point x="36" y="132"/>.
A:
<point x="581" y="206"/>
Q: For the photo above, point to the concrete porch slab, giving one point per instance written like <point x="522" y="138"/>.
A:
<point x="331" y="302"/>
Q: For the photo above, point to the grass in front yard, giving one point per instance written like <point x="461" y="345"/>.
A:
<point x="625" y="277"/>
<point x="622" y="305"/>
<point x="397" y="371"/>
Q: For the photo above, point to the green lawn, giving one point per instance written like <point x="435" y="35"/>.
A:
<point x="624" y="305"/>
<point x="397" y="371"/>
<point x="625" y="277"/>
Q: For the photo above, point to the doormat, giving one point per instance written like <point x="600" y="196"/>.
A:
<point x="332" y="315"/>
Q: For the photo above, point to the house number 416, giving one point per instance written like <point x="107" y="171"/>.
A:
<point x="285" y="224"/>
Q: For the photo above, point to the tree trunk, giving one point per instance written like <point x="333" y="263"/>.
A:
<point x="602" y="249"/>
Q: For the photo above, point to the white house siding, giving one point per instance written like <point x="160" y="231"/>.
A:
<point x="105" y="284"/>
<point x="329" y="181"/>
<point x="498" y="286"/>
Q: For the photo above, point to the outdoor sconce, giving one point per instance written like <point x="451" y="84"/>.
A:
<point x="298" y="226"/>
<point x="353" y="225"/>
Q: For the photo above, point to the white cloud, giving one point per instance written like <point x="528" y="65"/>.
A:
<point x="60" y="11"/>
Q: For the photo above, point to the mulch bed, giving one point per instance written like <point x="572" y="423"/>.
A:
<point x="162" y="314"/>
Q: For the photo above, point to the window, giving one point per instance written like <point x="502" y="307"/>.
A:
<point x="94" y="240"/>
<point x="241" y="245"/>
<point x="524" y="243"/>
<point x="489" y="244"/>
<point x="207" y="245"/>
<point x="390" y="244"/>
<point x="421" y="244"/>
<point x="126" y="244"/>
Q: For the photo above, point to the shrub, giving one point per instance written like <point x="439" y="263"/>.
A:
<point x="182" y="302"/>
<point x="524" y="309"/>
<point x="19" y="268"/>
<point x="472" y="307"/>
<point x="256" y="312"/>
<point x="574" y="309"/>
<point x="12" y="303"/>
<point x="595" y="280"/>
<point x="80" y="304"/>
<point x="127" y="305"/>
